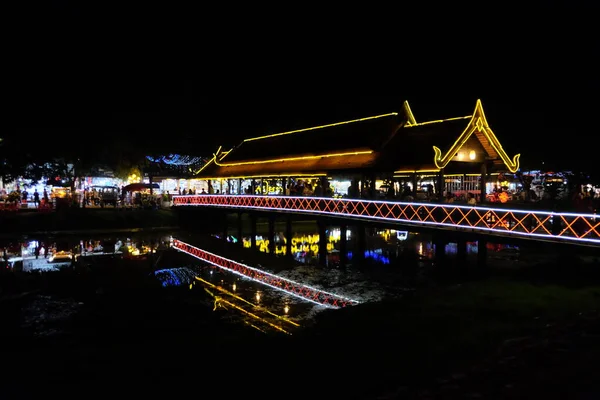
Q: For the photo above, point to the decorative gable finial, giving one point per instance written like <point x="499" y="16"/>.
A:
<point x="410" y="118"/>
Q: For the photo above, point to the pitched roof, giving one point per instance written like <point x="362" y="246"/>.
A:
<point x="342" y="137"/>
<point x="296" y="166"/>
<point x="385" y="143"/>
<point x="412" y="146"/>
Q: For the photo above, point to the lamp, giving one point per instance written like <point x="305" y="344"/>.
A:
<point x="472" y="154"/>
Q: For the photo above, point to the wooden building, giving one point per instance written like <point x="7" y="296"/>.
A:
<point x="394" y="147"/>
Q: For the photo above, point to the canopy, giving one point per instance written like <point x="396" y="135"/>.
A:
<point x="136" y="187"/>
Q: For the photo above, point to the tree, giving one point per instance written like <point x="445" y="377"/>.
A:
<point x="12" y="165"/>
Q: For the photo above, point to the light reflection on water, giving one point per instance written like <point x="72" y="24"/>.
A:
<point x="242" y="300"/>
<point x="383" y="247"/>
<point x="260" y="295"/>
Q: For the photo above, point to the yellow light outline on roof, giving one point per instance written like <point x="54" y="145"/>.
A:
<point x="354" y="153"/>
<point x="479" y="123"/>
<point x="320" y="127"/>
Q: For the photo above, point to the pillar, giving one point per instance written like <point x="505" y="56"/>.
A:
<point x="355" y="188"/>
<point x="481" y="252"/>
<point x="483" y="181"/>
<point x="415" y="183"/>
<point x="372" y="189"/>
<point x="322" y="243"/>
<point x="240" y="229"/>
<point x="253" y="231"/>
<point x="461" y="253"/>
<point x="441" y="185"/>
<point x="324" y="185"/>
<point x="440" y="249"/>
<point x="271" y="234"/>
<point x="361" y="245"/>
<point x="288" y="237"/>
<point x="343" y="245"/>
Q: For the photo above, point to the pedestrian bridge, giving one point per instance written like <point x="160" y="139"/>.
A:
<point x="575" y="228"/>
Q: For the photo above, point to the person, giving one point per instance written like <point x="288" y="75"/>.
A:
<point x="449" y="198"/>
<point x="471" y="200"/>
<point x="36" y="198"/>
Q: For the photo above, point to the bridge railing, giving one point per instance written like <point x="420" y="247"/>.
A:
<point x="574" y="227"/>
<point x="296" y="289"/>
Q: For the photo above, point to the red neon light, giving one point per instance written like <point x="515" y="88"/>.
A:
<point x="297" y="289"/>
<point x="543" y="225"/>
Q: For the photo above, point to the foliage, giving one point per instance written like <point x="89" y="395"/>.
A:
<point x="13" y="197"/>
<point x="121" y="153"/>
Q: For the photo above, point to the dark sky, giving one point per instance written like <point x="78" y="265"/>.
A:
<point x="200" y="78"/>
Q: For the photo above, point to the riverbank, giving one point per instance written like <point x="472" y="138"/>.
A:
<point x="87" y="219"/>
<point x="500" y="337"/>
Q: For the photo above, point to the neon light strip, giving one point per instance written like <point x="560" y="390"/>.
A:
<point x="235" y="296"/>
<point x="299" y="290"/>
<point x="320" y="127"/>
<point x="574" y="227"/>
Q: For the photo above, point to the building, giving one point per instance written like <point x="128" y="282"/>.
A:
<point x="382" y="155"/>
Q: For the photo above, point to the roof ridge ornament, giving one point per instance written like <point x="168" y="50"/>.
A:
<point x="410" y="117"/>
<point x="477" y="123"/>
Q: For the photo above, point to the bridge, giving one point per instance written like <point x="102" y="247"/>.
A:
<point x="559" y="227"/>
<point x="296" y="289"/>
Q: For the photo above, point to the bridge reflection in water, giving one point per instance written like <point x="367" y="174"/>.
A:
<point x="253" y="305"/>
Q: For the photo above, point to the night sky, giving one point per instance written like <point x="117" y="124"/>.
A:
<point x="102" y="72"/>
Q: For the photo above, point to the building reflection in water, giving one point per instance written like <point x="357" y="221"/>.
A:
<point x="384" y="246"/>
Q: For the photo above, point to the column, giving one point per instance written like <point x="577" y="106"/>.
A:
<point x="355" y="192"/>
<point x="372" y="188"/>
<point x="343" y="245"/>
<point x="324" y="185"/>
<point x="253" y="231"/>
<point x="322" y="243"/>
<point x="361" y="245"/>
<point x="240" y="229"/>
<point x="440" y="249"/>
<point x="483" y="182"/>
<point x="288" y="237"/>
<point x="441" y="185"/>
<point x="481" y="252"/>
<point x="225" y="231"/>
<point x="271" y="234"/>
<point x="415" y="183"/>
<point x="461" y="247"/>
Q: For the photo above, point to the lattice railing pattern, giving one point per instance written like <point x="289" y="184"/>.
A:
<point x="296" y="289"/>
<point x="573" y="227"/>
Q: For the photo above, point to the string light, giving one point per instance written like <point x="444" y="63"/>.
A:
<point x="176" y="159"/>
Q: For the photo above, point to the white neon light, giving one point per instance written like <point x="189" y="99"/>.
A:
<point x="337" y="296"/>
<point x="388" y="219"/>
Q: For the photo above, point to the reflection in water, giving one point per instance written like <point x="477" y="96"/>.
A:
<point x="175" y="276"/>
<point x="46" y="253"/>
<point x="300" y="243"/>
<point x="258" y="315"/>
<point x="384" y="246"/>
